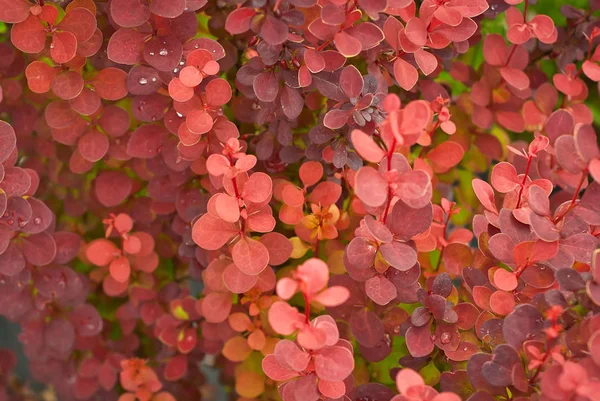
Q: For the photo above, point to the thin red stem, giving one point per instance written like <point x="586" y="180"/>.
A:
<point x="237" y="194"/>
<point x="512" y="52"/>
<point x="387" y="206"/>
<point x="437" y="265"/>
<point x="520" y="272"/>
<point x="574" y="199"/>
<point x="389" y="167"/>
<point x="324" y="45"/>
<point x="306" y="309"/>
<point x="544" y="359"/>
<point x="524" y="181"/>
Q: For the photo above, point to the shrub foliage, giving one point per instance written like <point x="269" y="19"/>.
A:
<point x="339" y="200"/>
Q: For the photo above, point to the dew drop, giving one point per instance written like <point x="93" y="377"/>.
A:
<point x="52" y="45"/>
<point x="37" y="221"/>
<point x="143" y="81"/>
<point x="181" y="62"/>
<point x="176" y="70"/>
<point x="445" y="337"/>
<point x="163" y="52"/>
<point x="179" y="114"/>
<point x="465" y="349"/>
<point x="153" y="79"/>
<point x="152" y="53"/>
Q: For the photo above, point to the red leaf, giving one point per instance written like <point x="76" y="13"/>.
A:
<point x="111" y="83"/>
<point x="505" y="280"/>
<point x="29" y="36"/>
<point x="346" y="44"/>
<point x="14" y="11"/>
<point x="112" y="187"/>
<point x="218" y="92"/>
<point x="380" y="290"/>
<point x="418" y="341"/>
<point x="125" y="46"/>
<point x="351" y="82"/>
<point x="101" y="252"/>
<point x="445" y="156"/>
<point x="266" y="86"/>
<point x="416" y="31"/>
<point x="146" y="141"/>
<point x="516" y="78"/>
<point x="238" y="21"/>
<point x="80" y="22"/>
<point x="274" y="31"/>
<point x="120" y="269"/>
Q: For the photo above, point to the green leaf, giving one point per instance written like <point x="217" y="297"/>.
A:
<point x="430" y="374"/>
<point x="380" y="371"/>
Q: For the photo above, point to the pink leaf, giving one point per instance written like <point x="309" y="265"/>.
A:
<point x="485" y="194"/>
<point x="333" y="363"/>
<point x="504" y="177"/>
<point x="285" y="319"/>
<point x="211" y="233"/>
<point x="286" y="288"/>
<point x="216" y="307"/>
<point x="258" y="188"/>
<point x="250" y="256"/>
<point x="514" y="77"/>
<point x="333" y="296"/>
<point x="426" y="61"/>
<point x="406" y="75"/>
<point x="408" y="378"/>
<point x="275" y="371"/>
<point x="366" y="146"/>
<point x="380" y="290"/>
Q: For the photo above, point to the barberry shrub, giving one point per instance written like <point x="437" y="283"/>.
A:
<point x="336" y="200"/>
